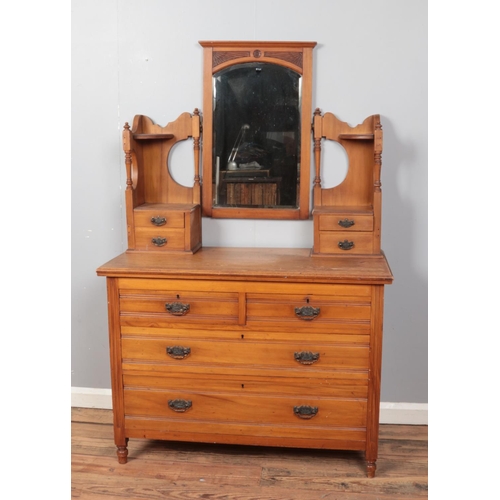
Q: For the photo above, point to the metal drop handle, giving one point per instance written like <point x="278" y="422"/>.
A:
<point x="179" y="405"/>
<point x="177" y="308"/>
<point x="178" y="352"/>
<point x="346" y="223"/>
<point x="307" y="313"/>
<point x="306" y="357"/>
<point x="305" y="412"/>
<point x="158" y="221"/>
<point x="346" y="245"/>
<point x="159" y="242"/>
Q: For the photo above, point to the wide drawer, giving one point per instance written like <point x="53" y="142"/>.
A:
<point x="299" y="355"/>
<point x="248" y="381"/>
<point x="301" y="410"/>
<point x="345" y="242"/>
<point x="345" y="222"/>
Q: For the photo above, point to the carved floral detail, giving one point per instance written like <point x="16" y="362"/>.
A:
<point x="292" y="57"/>
<point x="228" y="55"/>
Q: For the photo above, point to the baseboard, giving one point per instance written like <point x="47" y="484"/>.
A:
<point x="403" y="413"/>
<point x="84" y="397"/>
<point x="390" y="413"/>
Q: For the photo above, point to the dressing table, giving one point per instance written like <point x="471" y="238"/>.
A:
<point x="272" y="347"/>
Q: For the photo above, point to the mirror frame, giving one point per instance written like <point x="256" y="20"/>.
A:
<point x="297" y="56"/>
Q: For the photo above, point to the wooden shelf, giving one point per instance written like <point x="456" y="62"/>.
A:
<point x="356" y="137"/>
<point x="339" y="209"/>
<point x="151" y="137"/>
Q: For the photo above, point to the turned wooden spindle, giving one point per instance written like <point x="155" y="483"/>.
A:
<point x="196" y="131"/>
<point x="317" y="134"/>
<point x="377" y="156"/>
<point x="377" y="185"/>
<point x="129" y="194"/>
<point x="127" y="135"/>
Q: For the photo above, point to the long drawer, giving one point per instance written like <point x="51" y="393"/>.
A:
<point x="238" y="381"/>
<point x="243" y="352"/>
<point x="300" y="410"/>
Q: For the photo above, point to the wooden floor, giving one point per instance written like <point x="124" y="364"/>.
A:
<point x="168" y="470"/>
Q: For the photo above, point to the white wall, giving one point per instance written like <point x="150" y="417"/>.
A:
<point x="131" y="57"/>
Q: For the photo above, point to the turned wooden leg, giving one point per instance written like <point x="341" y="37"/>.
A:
<point x="370" y="468"/>
<point x="122" y="453"/>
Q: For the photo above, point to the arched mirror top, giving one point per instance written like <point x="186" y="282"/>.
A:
<point x="257" y="130"/>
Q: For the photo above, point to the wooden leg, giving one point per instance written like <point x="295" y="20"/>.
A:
<point x="122" y="453"/>
<point x="370" y="468"/>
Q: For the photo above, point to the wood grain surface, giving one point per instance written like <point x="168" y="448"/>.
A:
<point x="172" y="470"/>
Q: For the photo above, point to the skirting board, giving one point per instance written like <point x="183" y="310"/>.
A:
<point x="390" y="413"/>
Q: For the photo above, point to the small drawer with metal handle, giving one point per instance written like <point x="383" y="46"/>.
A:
<point x="309" y="312"/>
<point x="345" y="243"/>
<point x="163" y="307"/>
<point x="345" y="221"/>
<point x="159" y="238"/>
<point x="155" y="215"/>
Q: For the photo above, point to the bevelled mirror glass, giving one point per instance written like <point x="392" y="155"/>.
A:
<point x="256" y="136"/>
<point x="257" y="129"/>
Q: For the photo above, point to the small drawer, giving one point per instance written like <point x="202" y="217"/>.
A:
<point x="161" y="239"/>
<point x="345" y="222"/>
<point x="161" y="218"/>
<point x="344" y="242"/>
<point x="176" y="306"/>
<point x="302" y="410"/>
<point x="308" y="313"/>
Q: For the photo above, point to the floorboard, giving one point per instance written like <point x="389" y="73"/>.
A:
<point x="172" y="470"/>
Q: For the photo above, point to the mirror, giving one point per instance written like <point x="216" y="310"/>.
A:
<point x="256" y="136"/>
<point x="257" y="129"/>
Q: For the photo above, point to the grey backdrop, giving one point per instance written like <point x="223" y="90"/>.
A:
<point x="142" y="57"/>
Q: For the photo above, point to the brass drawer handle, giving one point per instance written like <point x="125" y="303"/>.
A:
<point x="180" y="405"/>
<point x="159" y="242"/>
<point x="178" y="352"/>
<point x="346" y="245"/>
<point x="177" y="308"/>
<point x="305" y="412"/>
<point x="307" y="313"/>
<point x="346" y="223"/>
<point x="158" y="221"/>
<point x="306" y="357"/>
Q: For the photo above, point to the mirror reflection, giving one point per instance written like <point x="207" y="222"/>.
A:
<point x="256" y="138"/>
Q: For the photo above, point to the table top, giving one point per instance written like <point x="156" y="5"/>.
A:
<point x="250" y="264"/>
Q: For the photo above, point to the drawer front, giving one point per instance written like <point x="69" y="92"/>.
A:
<point x="301" y="410"/>
<point x="345" y="222"/>
<point x="160" y="218"/>
<point x="345" y="242"/>
<point x="310" y="313"/>
<point x="340" y="384"/>
<point x="301" y="356"/>
<point x="161" y="239"/>
<point x="178" y="306"/>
